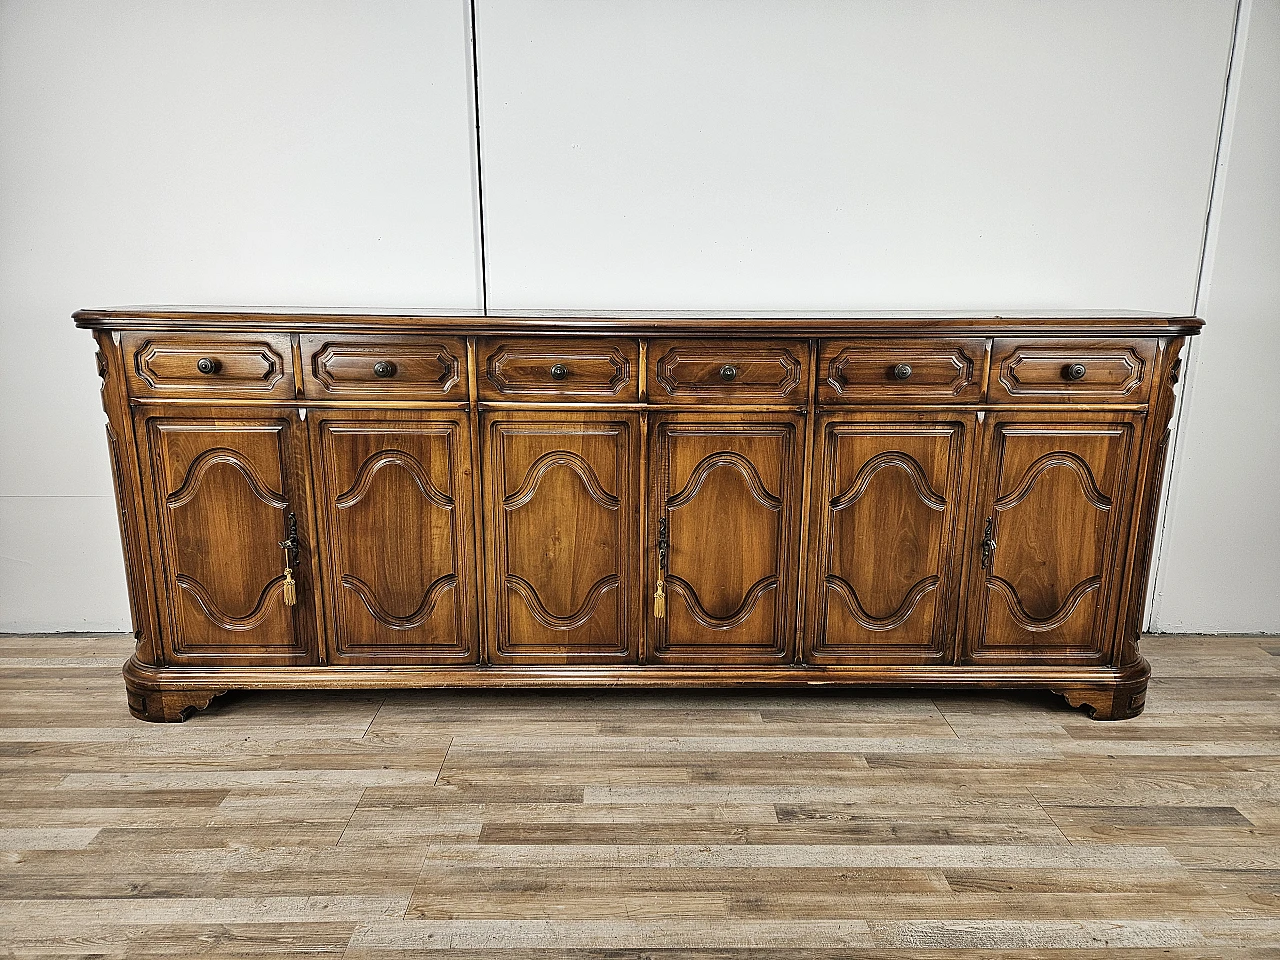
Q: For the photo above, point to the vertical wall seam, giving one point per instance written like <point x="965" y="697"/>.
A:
<point x="475" y="104"/>
<point x="1208" y="249"/>
<point x="1210" y="221"/>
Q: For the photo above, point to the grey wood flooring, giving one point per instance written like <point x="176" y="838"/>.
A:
<point x="630" y="824"/>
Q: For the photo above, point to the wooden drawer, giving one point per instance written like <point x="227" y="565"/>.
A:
<point x="901" y="371"/>
<point x="244" y="365"/>
<point x="1081" y="370"/>
<point x="550" y="368"/>
<point x="728" y="371"/>
<point x="406" y="367"/>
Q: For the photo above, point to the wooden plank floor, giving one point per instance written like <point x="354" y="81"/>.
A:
<point x="629" y="824"/>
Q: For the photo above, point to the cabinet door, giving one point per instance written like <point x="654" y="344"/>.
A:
<point x="887" y="514"/>
<point x="1046" y="538"/>
<point x="563" y="550"/>
<point x="394" y="492"/>
<point x="225" y="485"/>
<point x="728" y="489"/>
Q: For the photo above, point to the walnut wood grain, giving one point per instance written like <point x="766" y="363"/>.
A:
<point x="199" y="367"/>
<point x="902" y="371"/>
<point x="383" y="367"/>
<point x="877" y="500"/>
<point x="728" y="488"/>
<point x="1056" y="493"/>
<point x="222" y="490"/>
<point x="394" y="495"/>
<point x="731" y="371"/>
<point x="561" y="521"/>
<point x="565" y="369"/>
<point x="888" y="517"/>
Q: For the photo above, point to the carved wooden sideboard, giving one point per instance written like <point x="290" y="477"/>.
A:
<point x="320" y="499"/>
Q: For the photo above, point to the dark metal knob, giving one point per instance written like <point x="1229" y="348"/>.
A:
<point x="384" y="368"/>
<point x="728" y="372"/>
<point x="901" y="371"/>
<point x="208" y="365"/>
<point x="559" y="372"/>
<point x="1073" y="371"/>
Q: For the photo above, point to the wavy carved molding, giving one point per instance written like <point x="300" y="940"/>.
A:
<point x="1058" y="458"/>
<point x="528" y="488"/>
<point x="738" y="617"/>
<point x="220" y="617"/>
<point x="890" y="458"/>
<point x="844" y="589"/>
<point x="397" y="458"/>
<point x="202" y="464"/>
<point x="409" y="621"/>
<point x="725" y="458"/>
<point x="586" y="610"/>
<point x="1055" y="619"/>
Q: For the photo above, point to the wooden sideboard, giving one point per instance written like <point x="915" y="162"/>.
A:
<point x="319" y="499"/>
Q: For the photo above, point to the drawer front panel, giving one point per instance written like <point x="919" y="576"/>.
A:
<point x="901" y="371"/>
<point x="172" y="365"/>
<point x="1084" y="370"/>
<point x="552" y="369"/>
<point x="728" y="371"/>
<point x="404" y="367"/>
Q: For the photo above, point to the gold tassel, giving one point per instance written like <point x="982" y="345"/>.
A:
<point x="660" y="600"/>
<point x="290" y="588"/>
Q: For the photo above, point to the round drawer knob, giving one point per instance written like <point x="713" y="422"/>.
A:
<point x="559" y="372"/>
<point x="384" y="368"/>
<point x="1074" y="371"/>
<point x="901" y="371"/>
<point x="728" y="373"/>
<point x="208" y="365"/>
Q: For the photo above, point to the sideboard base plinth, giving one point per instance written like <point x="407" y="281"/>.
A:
<point x="172" y="694"/>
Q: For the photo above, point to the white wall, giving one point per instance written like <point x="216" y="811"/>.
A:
<point x="826" y="154"/>
<point x="273" y="152"/>
<point x="765" y="154"/>
<point x="1220" y="564"/>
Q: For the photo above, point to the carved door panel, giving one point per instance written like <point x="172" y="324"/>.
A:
<point x="1046" y="542"/>
<point x="562" y="521"/>
<point x="225" y="486"/>
<point x="726" y="489"/>
<point x="888" y="508"/>
<point x="396" y="529"/>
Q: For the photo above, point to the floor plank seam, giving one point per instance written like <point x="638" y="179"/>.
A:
<point x="642" y="824"/>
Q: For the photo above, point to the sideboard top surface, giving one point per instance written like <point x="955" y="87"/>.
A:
<point x="641" y="323"/>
